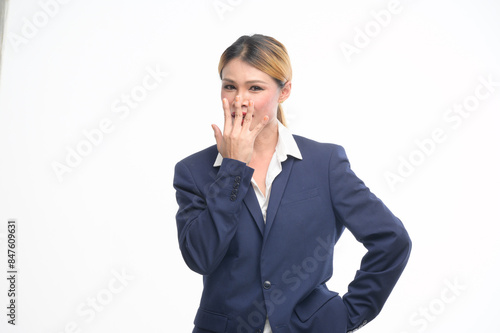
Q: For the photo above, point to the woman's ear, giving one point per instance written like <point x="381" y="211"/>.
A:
<point x="285" y="91"/>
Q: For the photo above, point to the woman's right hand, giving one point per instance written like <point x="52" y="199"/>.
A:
<point x="238" y="139"/>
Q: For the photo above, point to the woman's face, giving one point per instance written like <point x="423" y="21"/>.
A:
<point x="240" y="78"/>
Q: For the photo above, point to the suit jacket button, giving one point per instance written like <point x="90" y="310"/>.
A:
<point x="237" y="178"/>
<point x="233" y="197"/>
<point x="267" y="285"/>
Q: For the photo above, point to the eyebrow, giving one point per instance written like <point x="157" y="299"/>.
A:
<point x="248" y="82"/>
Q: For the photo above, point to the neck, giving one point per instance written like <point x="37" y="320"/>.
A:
<point x="267" y="139"/>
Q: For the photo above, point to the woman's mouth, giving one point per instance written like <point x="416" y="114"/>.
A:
<point x="233" y="114"/>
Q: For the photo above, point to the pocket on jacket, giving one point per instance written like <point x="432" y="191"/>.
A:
<point x="313" y="302"/>
<point x="299" y="197"/>
<point x="210" y="321"/>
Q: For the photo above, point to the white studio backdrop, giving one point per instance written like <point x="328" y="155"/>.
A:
<point x="100" y="99"/>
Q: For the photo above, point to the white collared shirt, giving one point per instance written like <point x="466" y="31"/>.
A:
<point x="286" y="146"/>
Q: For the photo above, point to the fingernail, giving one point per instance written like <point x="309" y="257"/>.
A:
<point x="237" y="98"/>
<point x="251" y="103"/>
<point x="266" y="118"/>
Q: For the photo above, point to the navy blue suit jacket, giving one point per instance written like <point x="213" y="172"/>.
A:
<point x="278" y="269"/>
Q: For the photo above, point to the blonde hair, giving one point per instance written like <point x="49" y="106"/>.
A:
<point x="264" y="53"/>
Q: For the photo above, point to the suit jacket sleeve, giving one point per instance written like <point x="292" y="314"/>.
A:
<point x="208" y="209"/>
<point x="382" y="233"/>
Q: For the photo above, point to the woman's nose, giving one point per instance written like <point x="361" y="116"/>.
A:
<point x="244" y="100"/>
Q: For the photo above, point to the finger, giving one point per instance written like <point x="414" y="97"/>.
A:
<point x="238" y="112"/>
<point x="249" y="115"/>
<point x="260" y="126"/>
<point x="218" y="135"/>
<point x="228" y="119"/>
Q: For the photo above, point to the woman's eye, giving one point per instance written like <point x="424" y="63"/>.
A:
<point x="255" y="88"/>
<point x="229" y="87"/>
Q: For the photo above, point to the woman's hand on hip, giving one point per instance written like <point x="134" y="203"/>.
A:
<point x="238" y="139"/>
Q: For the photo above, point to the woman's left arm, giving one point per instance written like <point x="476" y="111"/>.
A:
<point x="382" y="233"/>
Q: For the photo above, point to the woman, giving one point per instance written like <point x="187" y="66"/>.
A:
<point x="260" y="212"/>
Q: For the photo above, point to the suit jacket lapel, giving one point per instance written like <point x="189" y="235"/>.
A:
<point x="277" y="190"/>
<point x="253" y="206"/>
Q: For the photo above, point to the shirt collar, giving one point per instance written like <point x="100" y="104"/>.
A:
<point x="286" y="146"/>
